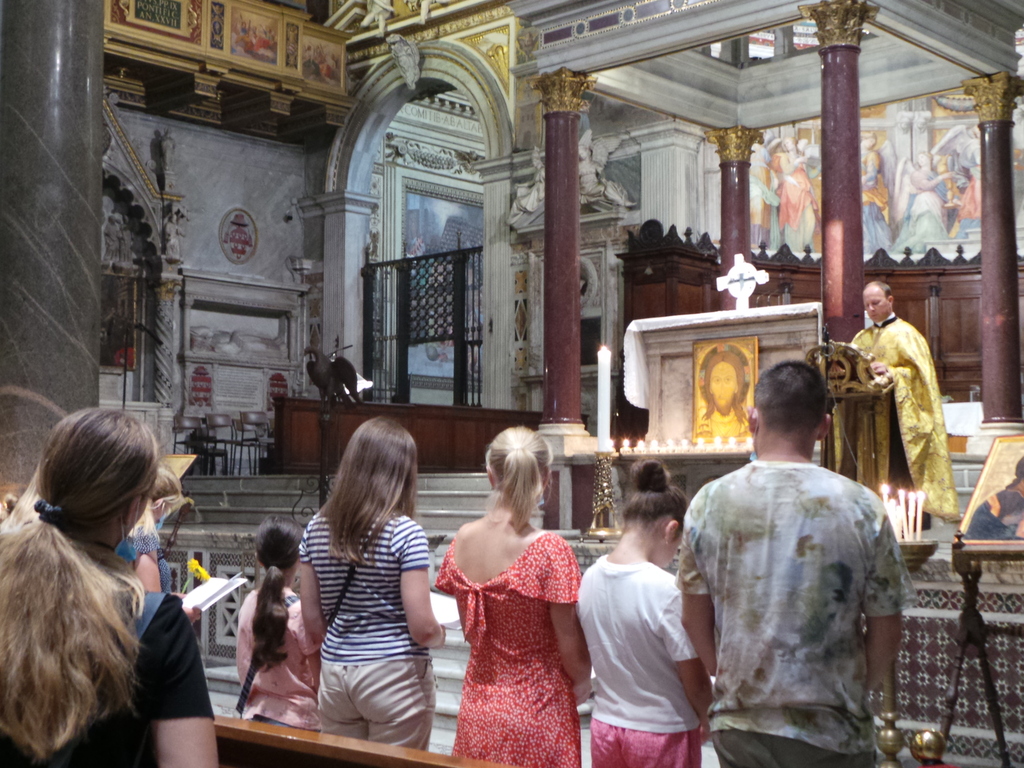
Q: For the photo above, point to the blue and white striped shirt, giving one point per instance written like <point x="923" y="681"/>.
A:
<point x="371" y="625"/>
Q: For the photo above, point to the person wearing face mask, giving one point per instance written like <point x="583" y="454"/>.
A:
<point x="150" y="564"/>
<point x="92" y="670"/>
<point x="911" y="449"/>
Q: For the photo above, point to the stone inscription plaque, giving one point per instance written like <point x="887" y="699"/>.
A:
<point x="166" y="13"/>
<point x="241" y="388"/>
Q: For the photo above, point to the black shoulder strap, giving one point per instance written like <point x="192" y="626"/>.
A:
<point x="341" y="595"/>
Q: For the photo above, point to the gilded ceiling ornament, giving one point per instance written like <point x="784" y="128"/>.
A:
<point x="734" y="144"/>
<point x="995" y="96"/>
<point x="839" y="22"/>
<point x="562" y="90"/>
<point x="166" y="290"/>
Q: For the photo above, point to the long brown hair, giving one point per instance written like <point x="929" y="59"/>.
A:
<point x="376" y="481"/>
<point x="67" y="644"/>
<point x="277" y="548"/>
<point x="520" y="461"/>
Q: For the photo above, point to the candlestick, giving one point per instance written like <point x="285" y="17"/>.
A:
<point x="604" y="400"/>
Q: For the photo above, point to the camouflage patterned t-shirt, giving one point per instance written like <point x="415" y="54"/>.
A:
<point x="793" y="555"/>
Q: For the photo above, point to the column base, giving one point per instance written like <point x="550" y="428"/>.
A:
<point x="982" y="442"/>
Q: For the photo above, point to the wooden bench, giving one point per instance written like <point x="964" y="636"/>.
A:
<point x="245" y="744"/>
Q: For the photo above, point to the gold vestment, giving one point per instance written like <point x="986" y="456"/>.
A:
<point x="919" y="408"/>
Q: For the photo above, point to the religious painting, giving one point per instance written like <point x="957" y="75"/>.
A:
<point x="438" y="219"/>
<point x="724" y="376"/>
<point x="995" y="513"/>
<point x="238" y="236"/>
<point x="322" y="61"/>
<point x="254" y="35"/>
<point x="118" y="316"/>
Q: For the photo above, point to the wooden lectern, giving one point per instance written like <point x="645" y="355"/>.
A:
<point x="857" y="395"/>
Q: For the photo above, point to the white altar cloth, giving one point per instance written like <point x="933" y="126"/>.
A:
<point x="962" y="419"/>
<point x="636" y="374"/>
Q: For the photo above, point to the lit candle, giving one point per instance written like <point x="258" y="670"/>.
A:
<point x="625" y="446"/>
<point x="901" y="505"/>
<point x="912" y="514"/>
<point x="718" y="443"/>
<point x="654" y="446"/>
<point x="732" y="443"/>
<point x="641" y="446"/>
<point x="604" y="400"/>
<point x="684" y="445"/>
<point x="670" y="446"/>
<point x="885" y="495"/>
<point x="700" y="443"/>
<point x="920" y="513"/>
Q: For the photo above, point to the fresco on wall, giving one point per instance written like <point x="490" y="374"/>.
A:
<point x="436" y="224"/>
<point x="920" y="178"/>
<point x="322" y="61"/>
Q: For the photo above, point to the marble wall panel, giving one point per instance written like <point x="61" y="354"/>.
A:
<point x="216" y="171"/>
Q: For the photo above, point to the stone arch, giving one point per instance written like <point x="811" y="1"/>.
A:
<point x="383" y="93"/>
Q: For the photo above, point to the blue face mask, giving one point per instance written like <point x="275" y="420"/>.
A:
<point x="125" y="549"/>
<point x="159" y="523"/>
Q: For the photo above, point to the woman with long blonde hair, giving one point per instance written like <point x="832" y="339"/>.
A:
<point x="91" y="671"/>
<point x="517" y="587"/>
<point x="366" y="593"/>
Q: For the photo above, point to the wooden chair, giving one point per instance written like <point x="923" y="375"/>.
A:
<point x="187" y="431"/>
<point x="255" y="437"/>
<point x="219" y="446"/>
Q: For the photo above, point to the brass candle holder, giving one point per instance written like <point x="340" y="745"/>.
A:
<point x="890" y="738"/>
<point x="603" y="525"/>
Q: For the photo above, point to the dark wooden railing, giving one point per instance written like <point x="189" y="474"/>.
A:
<point x="245" y="744"/>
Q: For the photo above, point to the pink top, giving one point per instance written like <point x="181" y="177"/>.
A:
<point x="287" y="691"/>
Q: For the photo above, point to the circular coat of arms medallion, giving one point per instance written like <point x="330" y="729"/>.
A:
<point x="238" y="236"/>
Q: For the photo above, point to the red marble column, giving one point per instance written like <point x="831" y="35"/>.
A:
<point x="842" y="262"/>
<point x="734" y="145"/>
<point x="1000" y="314"/>
<point x="561" y="93"/>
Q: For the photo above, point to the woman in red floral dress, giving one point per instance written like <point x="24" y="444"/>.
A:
<point x="517" y="588"/>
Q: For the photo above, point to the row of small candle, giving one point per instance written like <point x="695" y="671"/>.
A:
<point x="906" y="512"/>
<point x="731" y="444"/>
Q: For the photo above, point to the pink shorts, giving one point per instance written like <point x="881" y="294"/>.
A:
<point x="614" y="747"/>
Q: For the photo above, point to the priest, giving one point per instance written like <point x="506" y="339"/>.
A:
<point x="912" y="450"/>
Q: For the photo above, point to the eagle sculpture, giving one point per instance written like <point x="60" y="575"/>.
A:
<point x="336" y="379"/>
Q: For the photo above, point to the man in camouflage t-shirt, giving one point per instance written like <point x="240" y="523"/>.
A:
<point x="793" y="586"/>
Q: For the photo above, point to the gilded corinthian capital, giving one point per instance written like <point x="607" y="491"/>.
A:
<point x="562" y="90"/>
<point x="995" y="95"/>
<point x="734" y="144"/>
<point x="839" y="22"/>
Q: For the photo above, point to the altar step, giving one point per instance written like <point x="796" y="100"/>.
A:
<point x="444" y="501"/>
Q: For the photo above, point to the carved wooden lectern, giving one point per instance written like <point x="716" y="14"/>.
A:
<point x="858" y="395"/>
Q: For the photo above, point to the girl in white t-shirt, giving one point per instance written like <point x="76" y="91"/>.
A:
<point x="652" y="693"/>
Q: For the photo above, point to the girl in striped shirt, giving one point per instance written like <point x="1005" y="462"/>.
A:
<point x="366" y="592"/>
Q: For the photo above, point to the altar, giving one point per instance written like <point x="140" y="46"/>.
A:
<point x="670" y="365"/>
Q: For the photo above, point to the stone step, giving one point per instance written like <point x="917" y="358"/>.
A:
<point x="223" y="680"/>
<point x="452" y="499"/>
<point x="453" y="481"/>
<point x="450" y="675"/>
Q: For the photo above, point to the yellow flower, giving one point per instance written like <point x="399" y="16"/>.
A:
<point x="197" y="571"/>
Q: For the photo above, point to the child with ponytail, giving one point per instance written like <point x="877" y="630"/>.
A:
<point x="516" y="588"/>
<point x="278" y="662"/>
<point x="653" y="692"/>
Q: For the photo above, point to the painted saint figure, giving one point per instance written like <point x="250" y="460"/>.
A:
<point x="1001" y="516"/>
<point x="919" y="203"/>
<point x="797" y="207"/>
<point x="874" y="196"/>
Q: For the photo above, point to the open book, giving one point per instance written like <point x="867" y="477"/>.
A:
<point x="214" y="590"/>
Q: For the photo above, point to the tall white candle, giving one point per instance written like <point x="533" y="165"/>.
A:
<point x="920" y="513"/>
<point x="604" y="400"/>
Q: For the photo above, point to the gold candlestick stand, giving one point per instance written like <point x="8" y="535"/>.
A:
<point x="890" y="739"/>
<point x="603" y="526"/>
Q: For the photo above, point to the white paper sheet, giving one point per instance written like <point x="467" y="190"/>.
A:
<point x="214" y="590"/>
<point x="446" y="610"/>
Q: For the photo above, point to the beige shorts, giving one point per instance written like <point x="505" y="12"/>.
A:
<point x="390" y="702"/>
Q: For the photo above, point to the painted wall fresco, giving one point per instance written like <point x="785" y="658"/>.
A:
<point x="920" y="178"/>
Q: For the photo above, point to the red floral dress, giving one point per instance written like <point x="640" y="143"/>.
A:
<point x="518" y="706"/>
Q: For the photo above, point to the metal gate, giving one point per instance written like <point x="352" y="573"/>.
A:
<point x="422" y="300"/>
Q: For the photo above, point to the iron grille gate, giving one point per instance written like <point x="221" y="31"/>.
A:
<point x="418" y="301"/>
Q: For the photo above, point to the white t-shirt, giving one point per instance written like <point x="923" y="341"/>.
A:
<point x="632" y="618"/>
